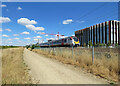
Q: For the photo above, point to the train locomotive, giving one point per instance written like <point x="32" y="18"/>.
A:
<point x="64" y="42"/>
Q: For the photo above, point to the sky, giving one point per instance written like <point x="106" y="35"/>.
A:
<point x="25" y="22"/>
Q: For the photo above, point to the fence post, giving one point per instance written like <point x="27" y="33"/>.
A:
<point x="93" y="55"/>
<point x="72" y="51"/>
<point x="60" y="51"/>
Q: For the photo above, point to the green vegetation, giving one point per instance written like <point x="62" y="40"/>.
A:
<point x="116" y="44"/>
<point x="4" y="47"/>
<point x="84" y="44"/>
<point x="90" y="43"/>
<point x="96" y="45"/>
<point x="27" y="46"/>
<point x="33" y="46"/>
<point x="108" y="44"/>
<point x="101" y="44"/>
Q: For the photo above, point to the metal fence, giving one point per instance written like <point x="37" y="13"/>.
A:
<point x="82" y="53"/>
<point x="100" y="61"/>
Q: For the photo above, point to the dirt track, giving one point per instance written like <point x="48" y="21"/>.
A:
<point x="49" y="71"/>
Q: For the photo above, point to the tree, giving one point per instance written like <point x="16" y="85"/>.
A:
<point x="27" y="46"/>
<point x="33" y="46"/>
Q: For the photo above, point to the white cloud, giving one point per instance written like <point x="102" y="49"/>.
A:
<point x="15" y="34"/>
<point x="47" y="38"/>
<point x="8" y="30"/>
<point x="3" y="5"/>
<point x="4" y="20"/>
<point x="19" y="8"/>
<point x="40" y="28"/>
<point x="25" y="21"/>
<point x="38" y="37"/>
<point x="41" y="33"/>
<point x="52" y="38"/>
<point x="25" y="32"/>
<point x="26" y="38"/>
<point x="73" y="35"/>
<point x="35" y="39"/>
<point x="32" y="27"/>
<point x="5" y="35"/>
<point x="68" y="21"/>
<point x="16" y="38"/>
<point x="63" y="36"/>
<point x="46" y="35"/>
<point x="0" y="29"/>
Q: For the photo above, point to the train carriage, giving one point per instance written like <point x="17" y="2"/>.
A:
<point x="64" y="42"/>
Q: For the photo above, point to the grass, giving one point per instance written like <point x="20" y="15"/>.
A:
<point x="4" y="47"/>
<point x="103" y="67"/>
<point x="14" y="70"/>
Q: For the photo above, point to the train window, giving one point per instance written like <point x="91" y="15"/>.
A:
<point x="70" y="39"/>
<point x="65" y="40"/>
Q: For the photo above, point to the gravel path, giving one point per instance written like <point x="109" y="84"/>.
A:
<point x="49" y="71"/>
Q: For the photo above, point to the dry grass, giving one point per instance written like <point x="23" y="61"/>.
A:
<point x="103" y="67"/>
<point x="14" y="70"/>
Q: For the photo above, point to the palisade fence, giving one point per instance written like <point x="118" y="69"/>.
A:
<point x="79" y="53"/>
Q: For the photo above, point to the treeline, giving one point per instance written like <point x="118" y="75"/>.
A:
<point x="4" y="47"/>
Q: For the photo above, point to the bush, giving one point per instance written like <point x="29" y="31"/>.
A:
<point x="90" y="43"/>
<point x="27" y="46"/>
<point x="33" y="46"/>
<point x="108" y="44"/>
<point x="100" y="44"/>
<point x="116" y="44"/>
<point x="96" y="45"/>
<point x="104" y="44"/>
<point x="84" y="44"/>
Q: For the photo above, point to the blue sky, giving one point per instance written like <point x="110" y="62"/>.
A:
<point x="29" y="18"/>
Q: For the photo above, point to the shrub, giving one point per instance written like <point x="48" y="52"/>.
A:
<point x="100" y="44"/>
<point x="27" y="46"/>
<point x="108" y="44"/>
<point x="116" y="44"/>
<point x="96" y="45"/>
<point x="84" y="44"/>
<point x="33" y="46"/>
<point x="90" y="43"/>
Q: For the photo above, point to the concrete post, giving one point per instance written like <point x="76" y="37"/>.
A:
<point x="93" y="55"/>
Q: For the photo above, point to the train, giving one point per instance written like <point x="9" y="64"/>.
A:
<point x="64" y="42"/>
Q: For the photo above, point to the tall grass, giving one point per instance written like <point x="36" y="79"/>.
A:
<point x="14" y="70"/>
<point x="103" y="67"/>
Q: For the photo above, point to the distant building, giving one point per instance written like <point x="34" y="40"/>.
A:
<point x="106" y="32"/>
